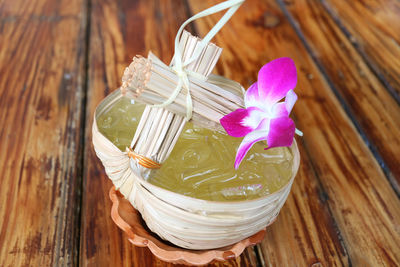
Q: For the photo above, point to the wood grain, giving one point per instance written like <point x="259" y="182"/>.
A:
<point x="41" y="79"/>
<point x="373" y="27"/>
<point x="342" y="210"/>
<point x="119" y="31"/>
<point x="363" y="205"/>
<point x="373" y="107"/>
<point x="305" y="232"/>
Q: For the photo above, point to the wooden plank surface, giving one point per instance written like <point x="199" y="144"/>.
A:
<point x="369" y="101"/>
<point x="41" y="81"/>
<point x="121" y="30"/>
<point x="305" y="232"/>
<point x="353" y="183"/>
<point x="342" y="210"/>
<point x="373" y="27"/>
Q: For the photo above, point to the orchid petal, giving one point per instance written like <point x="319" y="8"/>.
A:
<point x="275" y="79"/>
<point x="281" y="132"/>
<point x="290" y="100"/>
<point x="280" y="110"/>
<point x="241" y="121"/>
<point x="250" y="139"/>
<point x="251" y="98"/>
<point x="283" y="109"/>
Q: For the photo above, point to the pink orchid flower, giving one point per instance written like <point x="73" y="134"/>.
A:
<point x="265" y="118"/>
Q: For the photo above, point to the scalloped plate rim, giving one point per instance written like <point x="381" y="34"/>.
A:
<point x="179" y="255"/>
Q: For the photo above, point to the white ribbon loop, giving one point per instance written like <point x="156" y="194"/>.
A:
<point x="179" y="66"/>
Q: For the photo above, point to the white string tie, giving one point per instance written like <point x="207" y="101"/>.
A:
<point x="179" y="66"/>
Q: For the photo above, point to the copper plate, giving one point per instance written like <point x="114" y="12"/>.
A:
<point x="129" y="220"/>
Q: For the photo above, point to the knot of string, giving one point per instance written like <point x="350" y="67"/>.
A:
<point x="179" y="67"/>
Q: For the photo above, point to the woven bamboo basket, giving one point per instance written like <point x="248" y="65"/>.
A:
<point x="184" y="221"/>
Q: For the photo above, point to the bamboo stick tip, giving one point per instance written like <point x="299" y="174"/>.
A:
<point x="136" y="75"/>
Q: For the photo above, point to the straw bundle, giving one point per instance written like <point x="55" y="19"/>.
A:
<point x="150" y="81"/>
<point x="210" y="102"/>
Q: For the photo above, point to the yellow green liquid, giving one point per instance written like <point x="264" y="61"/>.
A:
<point x="201" y="164"/>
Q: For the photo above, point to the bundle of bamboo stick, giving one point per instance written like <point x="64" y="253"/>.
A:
<point x="150" y="81"/>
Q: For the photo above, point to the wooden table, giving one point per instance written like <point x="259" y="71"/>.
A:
<point x="59" y="59"/>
